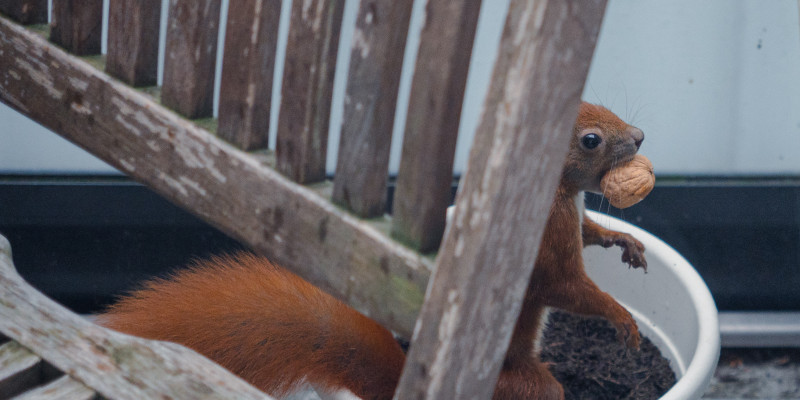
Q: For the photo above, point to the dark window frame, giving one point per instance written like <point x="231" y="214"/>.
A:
<point x="85" y="239"/>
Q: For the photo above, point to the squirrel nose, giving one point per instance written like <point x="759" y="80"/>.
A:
<point x="637" y="135"/>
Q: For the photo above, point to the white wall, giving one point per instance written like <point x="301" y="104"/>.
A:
<point x="715" y="85"/>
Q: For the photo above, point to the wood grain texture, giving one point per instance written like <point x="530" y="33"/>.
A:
<point x="25" y="11"/>
<point x="488" y="254"/>
<point x="76" y="25"/>
<point x="291" y="224"/>
<point x="426" y="165"/>
<point x="373" y="80"/>
<point x="248" y="63"/>
<point x="117" y="366"/>
<point x="64" y="388"/>
<point x="190" y="57"/>
<point x="304" y="118"/>
<point x="133" y="41"/>
<point x="19" y="369"/>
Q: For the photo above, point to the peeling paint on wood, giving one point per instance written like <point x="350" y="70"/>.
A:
<point x="304" y="118"/>
<point x="217" y="182"/>
<point x="247" y="67"/>
<point x="373" y="81"/>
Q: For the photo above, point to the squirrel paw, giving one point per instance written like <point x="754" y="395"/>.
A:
<point x="632" y="249"/>
<point x="627" y="331"/>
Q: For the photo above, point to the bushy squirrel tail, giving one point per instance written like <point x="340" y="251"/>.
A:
<point x="266" y="325"/>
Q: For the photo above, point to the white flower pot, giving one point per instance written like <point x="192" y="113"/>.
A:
<point x="671" y="304"/>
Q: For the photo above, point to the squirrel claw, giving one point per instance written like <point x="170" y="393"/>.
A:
<point x="628" y="333"/>
<point x="632" y="250"/>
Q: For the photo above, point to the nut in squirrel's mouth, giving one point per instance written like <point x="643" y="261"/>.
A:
<point x="621" y="161"/>
<point x="626" y="159"/>
<point x="617" y="163"/>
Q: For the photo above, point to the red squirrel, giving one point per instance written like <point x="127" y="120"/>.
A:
<point x="278" y="332"/>
<point x="600" y="141"/>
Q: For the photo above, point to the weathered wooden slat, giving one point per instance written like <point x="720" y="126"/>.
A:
<point x="425" y="176"/>
<point x="248" y="62"/>
<point x="64" y="388"/>
<point x="516" y="160"/>
<point x="115" y="365"/>
<point x="19" y="369"/>
<point x="375" y="64"/>
<point x="291" y="224"/>
<point x="76" y="25"/>
<point x="190" y="57"/>
<point x="133" y="41"/>
<point x="25" y="11"/>
<point x="304" y="118"/>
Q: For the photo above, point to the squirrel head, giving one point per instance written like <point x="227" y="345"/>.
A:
<point x="600" y="141"/>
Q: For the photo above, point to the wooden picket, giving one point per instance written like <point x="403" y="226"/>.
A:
<point x="132" y="47"/>
<point x="280" y="203"/>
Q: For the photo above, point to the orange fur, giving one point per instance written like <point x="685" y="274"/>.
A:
<point x="266" y="325"/>
<point x="559" y="279"/>
<point x="277" y="331"/>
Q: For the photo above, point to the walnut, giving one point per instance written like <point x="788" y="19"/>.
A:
<point x="629" y="183"/>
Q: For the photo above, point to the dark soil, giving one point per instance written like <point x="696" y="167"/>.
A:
<point x="591" y="363"/>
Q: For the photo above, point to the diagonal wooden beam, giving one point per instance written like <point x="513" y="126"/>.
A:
<point x="19" y="369"/>
<point x="115" y="365"/>
<point x="488" y="254"/>
<point x="62" y="388"/>
<point x="291" y="224"/>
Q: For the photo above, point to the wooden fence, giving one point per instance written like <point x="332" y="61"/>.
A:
<point x="278" y="201"/>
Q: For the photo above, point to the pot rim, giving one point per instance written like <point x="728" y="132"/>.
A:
<point x="700" y="368"/>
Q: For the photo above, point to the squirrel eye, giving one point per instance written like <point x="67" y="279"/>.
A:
<point x="591" y="141"/>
